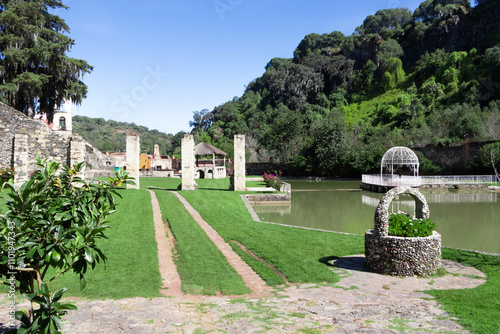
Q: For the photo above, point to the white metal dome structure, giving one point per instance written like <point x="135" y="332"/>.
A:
<point x="400" y="156"/>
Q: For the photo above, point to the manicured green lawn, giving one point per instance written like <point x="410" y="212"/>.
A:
<point x="301" y="255"/>
<point x="169" y="183"/>
<point x="297" y="253"/>
<point x="200" y="264"/>
<point x="478" y="309"/>
<point x="256" y="184"/>
<point x="131" y="269"/>
<point x="172" y="183"/>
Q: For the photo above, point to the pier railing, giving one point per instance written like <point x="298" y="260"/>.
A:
<point x="416" y="181"/>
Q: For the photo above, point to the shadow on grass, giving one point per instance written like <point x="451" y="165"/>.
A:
<point x="350" y="262"/>
<point x="160" y="188"/>
<point x="218" y="189"/>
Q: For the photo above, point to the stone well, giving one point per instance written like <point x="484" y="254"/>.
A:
<point x="401" y="256"/>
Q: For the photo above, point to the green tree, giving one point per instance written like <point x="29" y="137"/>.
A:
<point x="53" y="221"/>
<point x="202" y="120"/>
<point x="388" y="49"/>
<point x="385" y="20"/>
<point x="36" y="75"/>
<point x="314" y="43"/>
<point x="430" y="10"/>
<point x="488" y="158"/>
<point x="330" y="146"/>
<point x="367" y="75"/>
<point x="393" y="74"/>
<point x="286" y="133"/>
<point x="293" y="85"/>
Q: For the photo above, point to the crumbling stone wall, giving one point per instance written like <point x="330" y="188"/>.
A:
<point x="37" y="139"/>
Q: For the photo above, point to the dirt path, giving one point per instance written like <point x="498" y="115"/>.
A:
<point x="251" y="279"/>
<point x="166" y="243"/>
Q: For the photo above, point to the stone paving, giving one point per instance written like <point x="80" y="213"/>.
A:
<point x="362" y="302"/>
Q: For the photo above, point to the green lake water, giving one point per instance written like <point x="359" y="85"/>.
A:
<point x="465" y="219"/>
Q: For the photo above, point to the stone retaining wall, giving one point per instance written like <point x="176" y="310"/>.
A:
<point x="257" y="198"/>
<point x="457" y="186"/>
<point x="34" y="139"/>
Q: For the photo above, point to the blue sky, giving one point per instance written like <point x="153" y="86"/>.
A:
<point x="157" y="61"/>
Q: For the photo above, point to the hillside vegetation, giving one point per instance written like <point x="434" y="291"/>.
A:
<point x="110" y="136"/>
<point x="402" y="78"/>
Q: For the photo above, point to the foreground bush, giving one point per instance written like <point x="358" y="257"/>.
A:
<point x="402" y="225"/>
<point x="51" y="226"/>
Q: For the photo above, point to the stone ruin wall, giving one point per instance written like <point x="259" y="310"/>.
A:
<point x="35" y="139"/>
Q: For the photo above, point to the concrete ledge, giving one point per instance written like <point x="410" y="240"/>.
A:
<point x="268" y="198"/>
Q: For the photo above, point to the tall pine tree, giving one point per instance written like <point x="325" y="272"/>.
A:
<point x="36" y="75"/>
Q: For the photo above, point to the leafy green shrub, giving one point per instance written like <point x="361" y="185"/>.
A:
<point x="53" y="221"/>
<point x="402" y="225"/>
<point x="273" y="181"/>
<point x="47" y="317"/>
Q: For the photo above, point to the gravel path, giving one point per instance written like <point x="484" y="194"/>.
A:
<point x="362" y="302"/>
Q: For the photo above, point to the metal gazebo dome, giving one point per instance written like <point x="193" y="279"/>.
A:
<point x="400" y="156"/>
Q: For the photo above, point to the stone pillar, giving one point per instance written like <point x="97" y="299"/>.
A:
<point x="132" y="160"/>
<point x="239" y="163"/>
<point x="187" y="145"/>
<point x="156" y="153"/>
<point x="21" y="159"/>
<point x="77" y="153"/>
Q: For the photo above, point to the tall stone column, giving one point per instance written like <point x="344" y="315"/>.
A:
<point x="21" y="159"/>
<point x="77" y="153"/>
<point x="187" y="145"/>
<point x="132" y="160"/>
<point x="156" y="152"/>
<point x="239" y="163"/>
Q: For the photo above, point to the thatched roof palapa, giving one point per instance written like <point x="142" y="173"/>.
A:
<point x="207" y="149"/>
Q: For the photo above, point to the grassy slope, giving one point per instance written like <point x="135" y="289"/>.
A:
<point x="201" y="265"/>
<point x="131" y="269"/>
<point x="160" y="182"/>
<point x="299" y="254"/>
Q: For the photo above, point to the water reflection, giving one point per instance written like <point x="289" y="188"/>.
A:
<point x="281" y="209"/>
<point x="483" y="197"/>
<point x="468" y="220"/>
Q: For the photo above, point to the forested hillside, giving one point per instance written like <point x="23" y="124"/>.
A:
<point x="402" y="78"/>
<point x="110" y="136"/>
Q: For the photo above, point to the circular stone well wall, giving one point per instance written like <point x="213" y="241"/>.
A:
<point x="401" y="256"/>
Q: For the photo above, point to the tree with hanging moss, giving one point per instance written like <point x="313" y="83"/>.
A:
<point x="36" y="75"/>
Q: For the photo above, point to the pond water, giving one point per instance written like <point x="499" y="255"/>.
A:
<point x="465" y="219"/>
